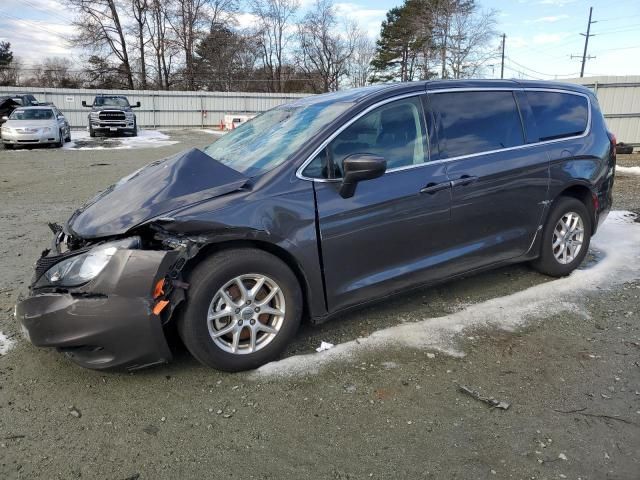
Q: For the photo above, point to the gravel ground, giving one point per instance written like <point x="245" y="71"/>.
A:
<point x="572" y="378"/>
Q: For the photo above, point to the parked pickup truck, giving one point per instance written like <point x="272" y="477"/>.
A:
<point x="112" y="114"/>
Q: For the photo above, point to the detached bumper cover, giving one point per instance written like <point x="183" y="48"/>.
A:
<point x="108" y="322"/>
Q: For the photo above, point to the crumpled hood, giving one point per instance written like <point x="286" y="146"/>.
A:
<point x="159" y="187"/>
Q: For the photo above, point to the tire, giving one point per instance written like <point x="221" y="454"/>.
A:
<point x="68" y="137"/>
<point x="624" y="149"/>
<point x="204" y="295"/>
<point x="60" y="141"/>
<point x="92" y="132"/>
<point x="134" y="132"/>
<point x="8" y="146"/>
<point x="548" y="261"/>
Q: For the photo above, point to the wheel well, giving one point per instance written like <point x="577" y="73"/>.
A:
<point x="584" y="194"/>
<point x="275" y="250"/>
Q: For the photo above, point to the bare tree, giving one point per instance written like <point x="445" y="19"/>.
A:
<point x="53" y="72"/>
<point x="100" y="29"/>
<point x="325" y="51"/>
<point x="140" y="11"/>
<point x="360" y="68"/>
<point x="470" y="42"/>
<point x="189" y="20"/>
<point x="274" y="18"/>
<point x="162" y="42"/>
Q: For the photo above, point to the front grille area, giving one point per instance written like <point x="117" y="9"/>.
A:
<point x="117" y="116"/>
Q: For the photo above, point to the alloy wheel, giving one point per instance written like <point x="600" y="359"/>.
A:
<point x="568" y="236"/>
<point x="246" y="314"/>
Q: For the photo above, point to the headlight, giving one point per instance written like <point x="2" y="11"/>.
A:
<point x="47" y="130"/>
<point x="7" y="129"/>
<point x="94" y="115"/>
<point x="86" y="266"/>
<point x="128" y="114"/>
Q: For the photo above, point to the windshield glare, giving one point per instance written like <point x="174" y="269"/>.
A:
<point x="32" y="114"/>
<point x="111" y="102"/>
<point x="269" y="139"/>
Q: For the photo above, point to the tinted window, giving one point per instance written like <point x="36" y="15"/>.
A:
<point x="474" y="122"/>
<point x="394" y="131"/>
<point x="558" y="115"/>
<point x="32" y="114"/>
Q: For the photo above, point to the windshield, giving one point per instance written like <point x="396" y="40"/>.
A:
<point x="32" y="114"/>
<point x="111" y="102"/>
<point x="269" y="139"/>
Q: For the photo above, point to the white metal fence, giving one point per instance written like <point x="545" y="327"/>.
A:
<point x="161" y="108"/>
<point x="619" y="99"/>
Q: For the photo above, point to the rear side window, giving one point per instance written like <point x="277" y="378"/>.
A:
<point x="475" y="122"/>
<point x="559" y="115"/>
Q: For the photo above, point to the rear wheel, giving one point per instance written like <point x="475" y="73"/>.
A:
<point x="565" y="238"/>
<point x="242" y="309"/>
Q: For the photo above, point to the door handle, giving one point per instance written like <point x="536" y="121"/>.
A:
<point x="464" y="180"/>
<point x="432" y="188"/>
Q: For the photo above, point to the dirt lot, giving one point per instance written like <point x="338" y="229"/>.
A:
<point x="383" y="403"/>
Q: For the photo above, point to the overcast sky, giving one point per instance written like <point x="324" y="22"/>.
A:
<point x="541" y="34"/>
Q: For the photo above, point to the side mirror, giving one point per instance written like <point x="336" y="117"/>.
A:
<point x="5" y="118"/>
<point x="359" y="167"/>
<point x="137" y="105"/>
<point x="84" y="104"/>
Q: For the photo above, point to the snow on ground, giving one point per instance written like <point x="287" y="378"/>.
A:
<point x="5" y="344"/>
<point x="80" y="140"/>
<point x="212" y="132"/>
<point x="620" y="170"/>
<point x="617" y="242"/>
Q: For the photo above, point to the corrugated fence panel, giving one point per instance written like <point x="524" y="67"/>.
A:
<point x="160" y="108"/>
<point x="619" y="99"/>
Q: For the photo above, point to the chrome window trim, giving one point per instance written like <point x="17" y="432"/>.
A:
<point x="586" y="132"/>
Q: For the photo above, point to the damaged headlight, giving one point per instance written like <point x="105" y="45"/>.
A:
<point x="86" y="266"/>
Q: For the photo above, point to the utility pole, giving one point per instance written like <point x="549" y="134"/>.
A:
<point x="586" y="43"/>
<point x="504" y="37"/>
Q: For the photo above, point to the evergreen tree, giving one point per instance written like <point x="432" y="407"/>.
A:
<point x="6" y="55"/>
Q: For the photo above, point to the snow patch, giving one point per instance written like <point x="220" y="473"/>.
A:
<point x="80" y="140"/>
<point x="617" y="241"/>
<point x="624" y="171"/>
<point x="5" y="344"/>
<point x="212" y="132"/>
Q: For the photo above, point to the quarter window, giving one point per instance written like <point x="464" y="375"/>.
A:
<point x="558" y="115"/>
<point x="475" y="122"/>
<point x="394" y="131"/>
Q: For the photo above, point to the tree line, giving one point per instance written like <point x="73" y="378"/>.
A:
<point x="201" y="45"/>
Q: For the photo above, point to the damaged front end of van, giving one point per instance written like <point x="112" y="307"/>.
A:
<point x="113" y="277"/>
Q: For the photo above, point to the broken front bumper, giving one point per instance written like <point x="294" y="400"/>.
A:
<point x="108" y="322"/>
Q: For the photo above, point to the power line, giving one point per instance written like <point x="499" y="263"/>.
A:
<point x="540" y="73"/>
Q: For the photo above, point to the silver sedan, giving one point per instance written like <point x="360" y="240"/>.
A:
<point x="35" y="126"/>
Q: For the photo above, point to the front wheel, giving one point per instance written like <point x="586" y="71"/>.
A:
<point x="242" y="309"/>
<point x="60" y="141"/>
<point x="565" y="238"/>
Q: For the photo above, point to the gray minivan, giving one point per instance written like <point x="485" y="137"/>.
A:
<point x="320" y="206"/>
